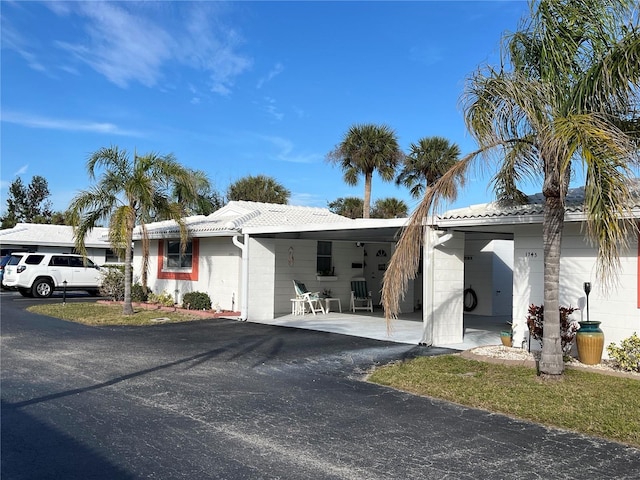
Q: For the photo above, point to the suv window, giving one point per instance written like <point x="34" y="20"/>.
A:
<point x="79" y="262"/>
<point x="14" y="260"/>
<point x="59" y="261"/>
<point x="33" y="259"/>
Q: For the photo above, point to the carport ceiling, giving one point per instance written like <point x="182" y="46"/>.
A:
<point x="366" y="235"/>
<point x="373" y="235"/>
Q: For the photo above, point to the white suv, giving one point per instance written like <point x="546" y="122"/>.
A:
<point x="39" y="274"/>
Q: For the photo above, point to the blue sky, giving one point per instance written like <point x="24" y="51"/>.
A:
<point x="237" y="88"/>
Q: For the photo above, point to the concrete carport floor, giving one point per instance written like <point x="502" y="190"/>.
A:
<point x="478" y="330"/>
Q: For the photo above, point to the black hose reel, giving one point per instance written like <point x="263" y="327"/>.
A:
<point x="470" y="300"/>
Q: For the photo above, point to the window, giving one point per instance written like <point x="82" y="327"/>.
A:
<point x="112" y="256"/>
<point x="33" y="259"/>
<point x="59" y="261"/>
<point x="174" y="265"/>
<point x="175" y="258"/>
<point x="323" y="263"/>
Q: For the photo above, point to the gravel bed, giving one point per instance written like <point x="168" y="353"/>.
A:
<point x="500" y="352"/>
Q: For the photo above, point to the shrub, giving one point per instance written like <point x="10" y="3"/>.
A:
<point x="627" y="355"/>
<point x="164" y="299"/>
<point x="568" y="328"/>
<point x="138" y="293"/>
<point x="112" y="283"/>
<point x="196" y="301"/>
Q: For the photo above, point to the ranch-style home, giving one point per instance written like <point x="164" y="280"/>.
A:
<point x="36" y="237"/>
<point x="473" y="234"/>
<point x="480" y="264"/>
<point x="247" y="255"/>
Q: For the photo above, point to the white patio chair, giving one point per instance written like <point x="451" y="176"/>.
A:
<point x="313" y="299"/>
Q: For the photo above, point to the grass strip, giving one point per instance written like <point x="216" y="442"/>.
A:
<point x="103" y="315"/>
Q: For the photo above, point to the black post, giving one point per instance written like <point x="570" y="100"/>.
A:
<point x="587" y="289"/>
<point x="64" y="292"/>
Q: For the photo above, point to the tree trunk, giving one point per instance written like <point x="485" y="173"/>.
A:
<point x="366" y="204"/>
<point x="551" y="361"/>
<point x="127" y="308"/>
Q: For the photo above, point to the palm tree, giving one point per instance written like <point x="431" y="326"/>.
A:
<point x="366" y="149"/>
<point x="130" y="193"/>
<point x="259" y="188"/>
<point x="428" y="160"/>
<point x="208" y="201"/>
<point x="570" y="97"/>
<point x="347" y="207"/>
<point x="389" y="208"/>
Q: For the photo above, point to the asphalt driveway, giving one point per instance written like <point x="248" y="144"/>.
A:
<point x="231" y="400"/>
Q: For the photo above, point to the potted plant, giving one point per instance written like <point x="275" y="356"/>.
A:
<point x="506" y="337"/>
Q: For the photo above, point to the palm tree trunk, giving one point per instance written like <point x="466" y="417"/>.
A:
<point x="127" y="308"/>
<point x="366" y="205"/>
<point x="551" y="361"/>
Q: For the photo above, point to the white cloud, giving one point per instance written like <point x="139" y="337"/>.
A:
<point x="35" y="121"/>
<point x="285" y="151"/>
<point x="307" y="200"/>
<point x="274" y="72"/>
<point x="131" y="42"/>
<point x="272" y="109"/>
<point x="22" y="170"/>
<point x="123" y="47"/>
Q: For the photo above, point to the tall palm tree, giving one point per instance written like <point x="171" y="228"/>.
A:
<point x="364" y="150"/>
<point x="389" y="208"/>
<point x="571" y="96"/>
<point x="427" y="161"/>
<point x="129" y="193"/>
<point x="258" y="188"/>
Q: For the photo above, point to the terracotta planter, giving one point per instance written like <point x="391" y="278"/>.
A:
<point x="505" y="337"/>
<point x="590" y="343"/>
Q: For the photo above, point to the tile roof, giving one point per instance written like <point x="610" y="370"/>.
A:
<point x="51" y="235"/>
<point x="574" y="204"/>
<point x="236" y="215"/>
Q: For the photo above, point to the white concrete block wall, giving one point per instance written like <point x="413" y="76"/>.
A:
<point x="478" y="274"/>
<point x="446" y="293"/>
<point x="616" y="308"/>
<point x="502" y="277"/>
<point x="218" y="275"/>
<point x="303" y="269"/>
<point x="262" y="267"/>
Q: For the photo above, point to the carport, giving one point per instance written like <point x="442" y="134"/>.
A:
<point x="408" y="328"/>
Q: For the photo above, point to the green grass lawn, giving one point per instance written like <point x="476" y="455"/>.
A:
<point x="590" y="403"/>
<point x="103" y="315"/>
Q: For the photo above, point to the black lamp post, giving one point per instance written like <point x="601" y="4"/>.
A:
<point x="64" y="292"/>
<point x="587" y="289"/>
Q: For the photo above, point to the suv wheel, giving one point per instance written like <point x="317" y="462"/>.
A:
<point x="42" y="288"/>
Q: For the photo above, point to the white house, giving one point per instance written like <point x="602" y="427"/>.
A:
<point x="36" y="237"/>
<point x="247" y="254"/>
<point x="455" y="259"/>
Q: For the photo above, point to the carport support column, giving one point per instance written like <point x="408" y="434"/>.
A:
<point x="443" y="313"/>
<point x="244" y="295"/>
<point x="430" y="237"/>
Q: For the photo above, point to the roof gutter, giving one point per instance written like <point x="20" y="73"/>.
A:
<point x="243" y="246"/>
